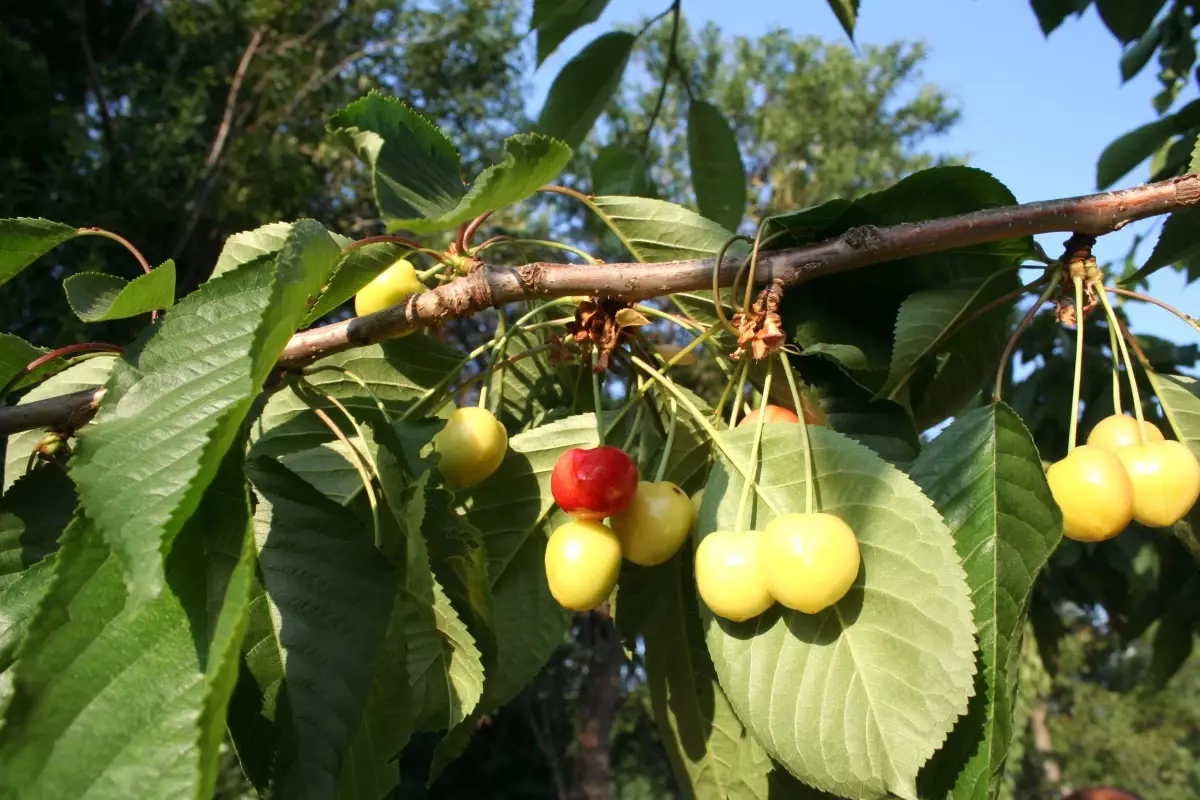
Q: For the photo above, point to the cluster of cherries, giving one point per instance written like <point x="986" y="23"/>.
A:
<point x="1123" y="473"/>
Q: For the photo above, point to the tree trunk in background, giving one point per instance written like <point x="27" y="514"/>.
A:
<point x="598" y="698"/>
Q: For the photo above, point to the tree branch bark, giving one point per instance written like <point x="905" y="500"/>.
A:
<point x="491" y="286"/>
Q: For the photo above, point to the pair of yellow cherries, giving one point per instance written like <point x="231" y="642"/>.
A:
<point x="1122" y="474"/>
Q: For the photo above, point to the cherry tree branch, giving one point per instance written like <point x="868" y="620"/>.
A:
<point x="492" y="286"/>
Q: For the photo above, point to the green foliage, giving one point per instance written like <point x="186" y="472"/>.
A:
<point x="98" y="296"/>
<point x="583" y="88"/>
<point x="555" y="20"/>
<point x="23" y="241"/>
<point x="716" y="166"/>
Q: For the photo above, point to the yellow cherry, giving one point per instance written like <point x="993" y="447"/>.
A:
<point x="1120" y="430"/>
<point x="583" y="560"/>
<point x="1094" y="492"/>
<point x="470" y="446"/>
<point x="1166" y="481"/>
<point x="389" y="288"/>
<point x="729" y="575"/>
<point x="810" y="560"/>
<point x="655" y="524"/>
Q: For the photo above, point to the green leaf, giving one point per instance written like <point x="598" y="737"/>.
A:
<point x="620" y="171"/>
<point x="718" y="175"/>
<point x="926" y="317"/>
<point x="19" y="601"/>
<point x="416" y="171"/>
<point x="967" y="367"/>
<point x="15" y="353"/>
<point x="1178" y="241"/>
<point x="984" y="475"/>
<point x="354" y="271"/>
<point x="711" y="752"/>
<point x="317" y="621"/>
<point x="24" y="240"/>
<point x="1180" y="398"/>
<point x="583" y="88"/>
<point x="98" y="296"/>
<point x="1127" y="20"/>
<point x="515" y="512"/>
<point x="1135" y="57"/>
<point x="113" y="698"/>
<point x="655" y="230"/>
<point x="84" y="375"/>
<point x="371" y="770"/>
<point x="1130" y="149"/>
<point x="841" y="698"/>
<point x="555" y="20"/>
<point x="177" y="397"/>
<point x="847" y="13"/>
<point x="33" y="514"/>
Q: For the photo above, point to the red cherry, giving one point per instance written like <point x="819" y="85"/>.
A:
<point x="593" y="483"/>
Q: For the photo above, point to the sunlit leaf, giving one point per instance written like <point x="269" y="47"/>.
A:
<point x="985" y="477"/>
<point x="655" y="230"/>
<point x="15" y="353"/>
<point x="841" y="697"/>
<point x="177" y="396"/>
<point x="98" y="296"/>
<point x="555" y="20"/>
<point x="113" y="698"/>
<point x="1180" y="398"/>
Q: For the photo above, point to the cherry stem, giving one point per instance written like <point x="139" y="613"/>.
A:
<point x="701" y="419"/>
<point x="634" y="427"/>
<point x="313" y="370"/>
<point x="356" y="458"/>
<point x="597" y="380"/>
<point x="670" y="443"/>
<point x="739" y="394"/>
<point x="82" y="347"/>
<point x="753" y="270"/>
<point x="810" y="487"/>
<point x="507" y="362"/>
<point x="1116" y="367"/>
<point x="1145" y="298"/>
<point x="586" y="256"/>
<point x="643" y="388"/>
<point x="128" y="245"/>
<point x="1016" y="335"/>
<point x="1133" y="387"/>
<point x="500" y="350"/>
<point x="747" y="486"/>
<point x="1079" y="325"/>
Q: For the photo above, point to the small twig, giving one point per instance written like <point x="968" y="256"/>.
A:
<point x="1016" y="334"/>
<point x="106" y="122"/>
<point x="667" y="68"/>
<point x="469" y="231"/>
<point x="415" y="245"/>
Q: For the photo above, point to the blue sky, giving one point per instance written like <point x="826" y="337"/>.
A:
<point x="1010" y="81"/>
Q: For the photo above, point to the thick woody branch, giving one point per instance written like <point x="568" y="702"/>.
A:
<point x="492" y="286"/>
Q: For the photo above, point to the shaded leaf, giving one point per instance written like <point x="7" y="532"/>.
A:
<point x="583" y="88"/>
<point x="1051" y="13"/>
<point x="98" y="296"/>
<point x="178" y="395"/>
<point x="24" y="240"/>
<point x="718" y="175"/>
<point x="1136" y="56"/>
<point x="1174" y="639"/>
<point x="840" y="697"/>
<point x="33" y="514"/>
<point x="1132" y="148"/>
<point x="1126" y="20"/>
<point x="308" y="655"/>
<point x="984" y="475"/>
<point x="113" y="698"/>
<point x="1179" y="240"/>
<point x="84" y="375"/>
<point x="620" y="171"/>
<point x="555" y="20"/>
<point x="655" y="230"/>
